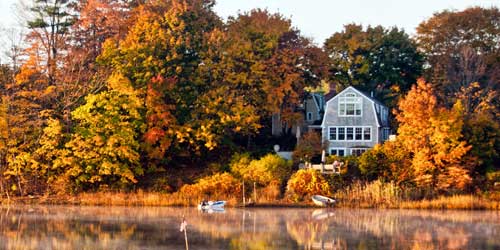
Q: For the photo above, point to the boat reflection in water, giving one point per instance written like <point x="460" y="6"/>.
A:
<point x="71" y="227"/>
<point x="321" y="214"/>
<point x="213" y="210"/>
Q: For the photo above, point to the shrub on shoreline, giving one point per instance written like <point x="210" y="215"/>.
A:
<point x="217" y="186"/>
<point x="263" y="171"/>
<point x="305" y="183"/>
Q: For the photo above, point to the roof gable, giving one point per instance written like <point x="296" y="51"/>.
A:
<point x="351" y="88"/>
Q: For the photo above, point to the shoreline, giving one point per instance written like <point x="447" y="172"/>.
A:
<point x="146" y="199"/>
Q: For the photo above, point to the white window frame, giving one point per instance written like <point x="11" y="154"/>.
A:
<point x="338" y="133"/>
<point x="371" y="134"/>
<point x="355" y="133"/>
<point x="363" y="129"/>
<point x="351" y="134"/>
<point x="337" y="151"/>
<point x="350" y="99"/>
<point x="330" y="132"/>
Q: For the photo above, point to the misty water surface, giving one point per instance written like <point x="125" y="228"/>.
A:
<point x="73" y="227"/>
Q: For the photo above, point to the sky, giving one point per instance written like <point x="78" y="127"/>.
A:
<point x="319" y="19"/>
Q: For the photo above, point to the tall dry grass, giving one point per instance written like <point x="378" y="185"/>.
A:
<point x="141" y="198"/>
<point x="376" y="194"/>
<point x="379" y="194"/>
<point x="469" y="202"/>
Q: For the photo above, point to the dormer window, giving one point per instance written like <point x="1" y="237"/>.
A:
<point x="350" y="105"/>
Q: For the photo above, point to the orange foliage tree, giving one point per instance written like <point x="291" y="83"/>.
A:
<point x="433" y="137"/>
<point x="307" y="182"/>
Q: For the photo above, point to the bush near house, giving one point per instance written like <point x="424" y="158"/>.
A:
<point x="310" y="145"/>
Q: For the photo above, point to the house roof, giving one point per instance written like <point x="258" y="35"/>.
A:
<point x="373" y="100"/>
<point x="330" y="95"/>
<point x="317" y="97"/>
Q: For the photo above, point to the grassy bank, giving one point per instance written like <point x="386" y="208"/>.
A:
<point x="365" y="200"/>
<point x="466" y="202"/>
<point x="139" y="198"/>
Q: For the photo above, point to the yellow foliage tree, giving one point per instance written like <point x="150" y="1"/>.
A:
<point x="263" y="171"/>
<point x="104" y="150"/>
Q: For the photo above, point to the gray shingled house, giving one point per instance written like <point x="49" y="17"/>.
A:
<point x="312" y="108"/>
<point x="354" y="122"/>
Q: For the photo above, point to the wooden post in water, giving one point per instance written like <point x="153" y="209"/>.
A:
<point x="243" y="193"/>
<point x="184" y="228"/>
<point x="254" y="193"/>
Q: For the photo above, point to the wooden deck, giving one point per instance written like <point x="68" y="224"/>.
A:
<point x="323" y="168"/>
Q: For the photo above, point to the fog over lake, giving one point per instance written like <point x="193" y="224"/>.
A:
<point x="74" y="227"/>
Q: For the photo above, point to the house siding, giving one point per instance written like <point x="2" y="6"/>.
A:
<point x="368" y="118"/>
<point x="312" y="107"/>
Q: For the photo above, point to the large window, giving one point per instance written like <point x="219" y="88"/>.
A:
<point x="367" y="133"/>
<point x="350" y="105"/>
<point x="338" y="151"/>
<point x="359" y="134"/>
<point x="333" y="133"/>
<point x="341" y="133"/>
<point x="349" y="133"/>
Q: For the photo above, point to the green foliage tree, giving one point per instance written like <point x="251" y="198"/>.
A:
<point x="384" y="61"/>
<point x="483" y="134"/>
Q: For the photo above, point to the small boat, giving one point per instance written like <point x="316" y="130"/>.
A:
<point x="204" y="205"/>
<point x="323" y="201"/>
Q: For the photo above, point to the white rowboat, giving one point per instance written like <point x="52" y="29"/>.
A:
<point x="323" y="201"/>
<point x="215" y="205"/>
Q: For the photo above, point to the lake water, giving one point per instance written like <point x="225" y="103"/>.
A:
<point x="73" y="227"/>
